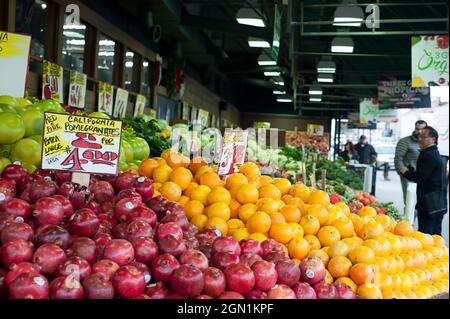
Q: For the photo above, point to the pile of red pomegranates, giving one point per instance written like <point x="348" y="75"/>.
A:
<point x="113" y="239"/>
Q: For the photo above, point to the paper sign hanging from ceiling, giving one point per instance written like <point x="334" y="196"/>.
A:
<point x="120" y="106"/>
<point x="14" y="57"/>
<point x="81" y="144"/>
<point x="105" y="98"/>
<point x="369" y="112"/>
<point x="52" y="82"/>
<point x="429" y="60"/>
<point x="77" y="90"/>
<point x="139" y="108"/>
<point x="396" y="94"/>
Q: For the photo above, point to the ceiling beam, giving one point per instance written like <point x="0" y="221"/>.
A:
<point x="380" y="4"/>
<point x="342" y="86"/>
<point x="385" y="21"/>
<point x="364" y="33"/>
<point x="354" y="55"/>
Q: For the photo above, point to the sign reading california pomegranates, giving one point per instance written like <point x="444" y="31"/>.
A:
<point x="81" y="144"/>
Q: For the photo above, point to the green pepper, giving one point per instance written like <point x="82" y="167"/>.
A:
<point x="141" y="150"/>
<point x="126" y="151"/>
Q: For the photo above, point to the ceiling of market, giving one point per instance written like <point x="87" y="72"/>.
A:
<point x="206" y="35"/>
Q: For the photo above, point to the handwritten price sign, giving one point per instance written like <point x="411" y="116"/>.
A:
<point x="120" y="108"/>
<point x="105" y="97"/>
<point x="81" y="144"/>
<point x="77" y="90"/>
<point x="52" y="82"/>
<point x="140" y="105"/>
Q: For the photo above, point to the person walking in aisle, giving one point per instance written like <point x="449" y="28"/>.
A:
<point x="430" y="175"/>
<point x="407" y="152"/>
<point x="366" y="152"/>
<point x="349" y="153"/>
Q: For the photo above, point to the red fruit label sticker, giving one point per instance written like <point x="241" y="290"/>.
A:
<point x="309" y="273"/>
<point x="39" y="281"/>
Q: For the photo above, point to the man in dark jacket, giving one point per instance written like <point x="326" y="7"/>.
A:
<point x="430" y="177"/>
<point x="366" y="152"/>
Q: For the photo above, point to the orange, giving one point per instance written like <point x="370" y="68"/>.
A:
<point x="219" y="195"/>
<point x="313" y="242"/>
<point x="156" y="193"/>
<point x="254" y="180"/>
<point x="396" y="245"/>
<point x="147" y="167"/>
<point x="328" y="278"/>
<point x="296" y="230"/>
<point x="196" y="163"/>
<point x="384" y="221"/>
<point x="161" y="173"/>
<point x="350" y="242"/>
<point x="234" y="208"/>
<point x="369" y="291"/>
<point x="220" y="210"/>
<point x="291" y="213"/>
<point x="339" y="266"/>
<point x="334" y="212"/>
<point x="328" y="235"/>
<point x="189" y="189"/>
<point x="384" y="282"/>
<point x="159" y="160"/>
<point x="345" y="209"/>
<point x="321" y="254"/>
<point x="408" y="260"/>
<point x="249" y="168"/>
<point x="201" y="193"/>
<point x="247" y="193"/>
<point x="281" y="204"/>
<point x="298" y="248"/>
<point x="367" y="211"/>
<point x="385" y="246"/>
<point x="240" y="233"/>
<point x="347" y="281"/>
<point x="361" y="254"/>
<point x="362" y="273"/>
<point x="171" y="191"/>
<point x="338" y="248"/>
<point x="268" y="205"/>
<point x="264" y="180"/>
<point x="259" y="222"/>
<point x="234" y="224"/>
<point x="202" y="170"/>
<point x="219" y="224"/>
<point x="319" y="197"/>
<point x="294" y="201"/>
<point x="157" y="186"/>
<point x="245" y="211"/>
<point x="210" y="179"/>
<point x="199" y="221"/>
<point x="371" y="230"/>
<point x="382" y="263"/>
<point x="132" y="169"/>
<point x="258" y="236"/>
<point x="175" y="159"/>
<point x="181" y="176"/>
<point x="404" y="228"/>
<point x="165" y="154"/>
<point x="374" y="245"/>
<point x="300" y="190"/>
<point x="426" y="240"/>
<point x="281" y="232"/>
<point x="438" y="241"/>
<point x="193" y="208"/>
<point x="269" y="191"/>
<point x="234" y="180"/>
<point x="354" y="218"/>
<point x="183" y="200"/>
<point x="283" y="184"/>
<point x="406" y="282"/>
<point x="304" y="209"/>
<point x="310" y="224"/>
<point x="277" y="218"/>
<point x="345" y="226"/>
<point x="319" y="212"/>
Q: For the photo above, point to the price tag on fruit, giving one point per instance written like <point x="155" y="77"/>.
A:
<point x="14" y="57"/>
<point x="105" y="98"/>
<point x="120" y="107"/>
<point x="240" y="143"/>
<point x="140" y="105"/>
<point x="81" y="144"/>
<point x="77" y="90"/>
<point x="52" y="82"/>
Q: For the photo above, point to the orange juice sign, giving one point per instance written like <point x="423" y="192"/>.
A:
<point x="81" y="144"/>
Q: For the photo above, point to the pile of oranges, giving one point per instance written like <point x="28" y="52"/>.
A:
<point x="373" y="254"/>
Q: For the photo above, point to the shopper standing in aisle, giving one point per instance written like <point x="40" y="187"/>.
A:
<point x="349" y="153"/>
<point x="430" y="175"/>
<point x="407" y="152"/>
<point x="366" y="152"/>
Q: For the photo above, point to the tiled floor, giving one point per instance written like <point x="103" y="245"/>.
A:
<point x="391" y="191"/>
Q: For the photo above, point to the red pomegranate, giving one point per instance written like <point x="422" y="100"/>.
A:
<point x="67" y="205"/>
<point x="18" y="269"/>
<point x="128" y="282"/>
<point x="52" y="234"/>
<point x="66" y="288"/>
<point x="195" y="258"/>
<point x="103" y="192"/>
<point x="187" y="280"/>
<point x="270" y="245"/>
<point x="98" y="287"/>
<point x="124" y="180"/>
<point x="10" y="184"/>
<point x="265" y="275"/>
<point x="95" y="207"/>
<point x="84" y="223"/>
<point x="325" y="291"/>
<point x="288" y="272"/>
<point x="275" y="256"/>
<point x="49" y="257"/>
<point x="171" y="245"/>
<point x="157" y="291"/>
<point x="144" y="214"/>
<point x="226" y="244"/>
<point x="145" y="249"/>
<point x="231" y="295"/>
<point x="178" y="218"/>
<point x="173" y="207"/>
<point x="168" y="229"/>
<point x="119" y="231"/>
<point x="29" y="286"/>
<point x="157" y="204"/>
<point x="303" y="290"/>
<point x="124" y="207"/>
<point x="108" y="208"/>
<point x="101" y="239"/>
<point x="143" y="269"/>
<point x="62" y="177"/>
<point x="191" y="243"/>
<point x="163" y="266"/>
<point x="249" y="259"/>
<point x="240" y="278"/>
<point x="312" y="270"/>
<point x="19" y="210"/>
<point x="343" y="291"/>
<point x="256" y="294"/>
<point x="107" y="221"/>
<point x="48" y="210"/>
<point x="120" y="251"/>
<point x="142" y="296"/>
<point x="138" y="228"/>
<point x="144" y="186"/>
<point x="251" y="246"/>
<point x="281" y="292"/>
<point x="42" y="188"/>
<point x="5" y="197"/>
<point x="85" y="248"/>
<point x="17" y="231"/>
<point x="16" y="251"/>
<point x="190" y="232"/>
<point x="215" y="282"/>
<point x="105" y="268"/>
<point x="128" y="193"/>
<point x="3" y="288"/>
<point x="223" y="260"/>
<point x="75" y="267"/>
<point x="14" y="172"/>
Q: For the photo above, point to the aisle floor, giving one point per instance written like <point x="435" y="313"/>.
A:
<point x="391" y="191"/>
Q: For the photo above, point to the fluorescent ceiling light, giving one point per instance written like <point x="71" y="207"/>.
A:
<point x="130" y="54"/>
<point x="348" y="16"/>
<point x="342" y="45"/>
<point x="76" y="42"/>
<point x="145" y="64"/>
<point x="107" y="43"/>
<point x="105" y="53"/>
<point x="266" y="63"/>
<point x="315" y="91"/>
<point x="280" y="83"/>
<point x="279" y="92"/>
<point x="249" y="17"/>
<point x="325" y="66"/>
<point x="74" y="27"/>
<point x="258" y="43"/>
<point x="284" y="100"/>
<point x="325" y="78"/>
<point x="265" y="60"/>
<point x="315" y="99"/>
<point x="129" y="64"/>
<point x="272" y="73"/>
<point x="44" y="6"/>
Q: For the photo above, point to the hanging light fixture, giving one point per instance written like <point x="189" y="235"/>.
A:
<point x="325" y="78"/>
<point x="316" y="98"/>
<point x="278" y="92"/>
<point x="278" y="81"/>
<point x="258" y="43"/>
<point x="326" y="66"/>
<point x="342" y="45"/>
<point x="249" y="17"/>
<point x="348" y="16"/>
<point x="265" y="60"/>
<point x="315" y="90"/>
<point x="272" y="73"/>
<point x="284" y="99"/>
